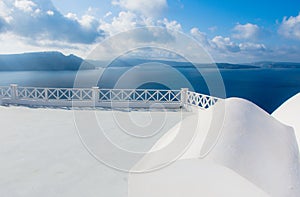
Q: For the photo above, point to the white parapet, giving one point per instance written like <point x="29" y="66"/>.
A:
<point x="95" y="97"/>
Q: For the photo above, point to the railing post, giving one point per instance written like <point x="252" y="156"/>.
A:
<point x="46" y="94"/>
<point x="14" y="92"/>
<point x="95" y="94"/>
<point x="183" y="96"/>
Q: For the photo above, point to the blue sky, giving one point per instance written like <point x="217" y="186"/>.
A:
<point x="231" y="31"/>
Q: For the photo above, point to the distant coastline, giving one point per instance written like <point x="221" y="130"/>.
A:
<point x="41" y="61"/>
<point x="56" y="61"/>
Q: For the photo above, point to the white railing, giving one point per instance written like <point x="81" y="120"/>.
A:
<point x="200" y="100"/>
<point x="139" y="95"/>
<point x="5" y="92"/>
<point x="88" y="97"/>
<point x="66" y="94"/>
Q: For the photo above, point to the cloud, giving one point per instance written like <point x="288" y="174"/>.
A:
<point x="246" y="31"/>
<point x="248" y="46"/>
<point x="3" y="25"/>
<point x="88" y="22"/>
<point x="49" y="12"/>
<point x="123" y="22"/>
<point x="128" y="20"/>
<point x="108" y="14"/>
<point x="224" y="49"/>
<point x="39" y="19"/>
<point x="21" y="45"/>
<point x="38" y="24"/>
<point x="225" y="44"/>
<point x="218" y="43"/>
<point x="290" y="27"/>
<point x="5" y="12"/>
<point x="173" y="25"/>
<point x="71" y="16"/>
<point x="25" y="5"/>
<point x="200" y="37"/>
<point x="149" y="8"/>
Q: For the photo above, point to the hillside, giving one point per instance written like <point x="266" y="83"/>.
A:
<point x="130" y="62"/>
<point x="277" y="64"/>
<point x="40" y="61"/>
<point x="56" y="61"/>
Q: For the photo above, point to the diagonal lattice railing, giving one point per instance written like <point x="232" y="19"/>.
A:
<point x="200" y="100"/>
<point x="5" y="92"/>
<point x="61" y="96"/>
<point x="54" y="93"/>
<point x="142" y="95"/>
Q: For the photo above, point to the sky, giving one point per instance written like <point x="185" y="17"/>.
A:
<point x="232" y="31"/>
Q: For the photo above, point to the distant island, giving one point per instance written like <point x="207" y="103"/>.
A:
<point x="130" y="62"/>
<point x="41" y="61"/>
<point x="57" y="61"/>
<point x="277" y="64"/>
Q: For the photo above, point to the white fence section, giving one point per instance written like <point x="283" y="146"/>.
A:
<point x="5" y="92"/>
<point x="95" y="97"/>
<point x="66" y="94"/>
<point x="200" y="100"/>
<point x="140" y="95"/>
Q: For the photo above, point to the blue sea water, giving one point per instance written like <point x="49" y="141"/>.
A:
<point x="266" y="87"/>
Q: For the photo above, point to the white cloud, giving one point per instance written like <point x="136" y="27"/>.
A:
<point x="149" y="8"/>
<point x="173" y="25"/>
<point x="224" y="44"/>
<point x="5" y="12"/>
<point x="50" y="12"/>
<point x="88" y="22"/>
<point x="224" y="49"/>
<point x="108" y="14"/>
<point x="246" y="31"/>
<point x="40" y="20"/>
<point x="290" y="27"/>
<point x="123" y="22"/>
<point x="200" y="37"/>
<point x="147" y="21"/>
<point x="248" y="46"/>
<point x="25" y="5"/>
<point x="71" y="16"/>
<point x="37" y="11"/>
<point x="21" y="45"/>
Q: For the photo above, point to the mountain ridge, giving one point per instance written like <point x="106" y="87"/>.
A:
<point x="57" y="61"/>
<point x="41" y="61"/>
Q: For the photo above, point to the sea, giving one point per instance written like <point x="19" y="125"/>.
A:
<point x="266" y="87"/>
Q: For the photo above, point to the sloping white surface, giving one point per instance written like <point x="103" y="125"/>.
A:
<point x="251" y="142"/>
<point x="289" y="114"/>
<point x="259" y="148"/>
<point x="192" y="178"/>
<point x="183" y="141"/>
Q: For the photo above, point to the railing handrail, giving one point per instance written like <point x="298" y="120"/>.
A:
<point x="183" y="97"/>
<point x="204" y="95"/>
<point x="31" y="87"/>
<point x="139" y="89"/>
